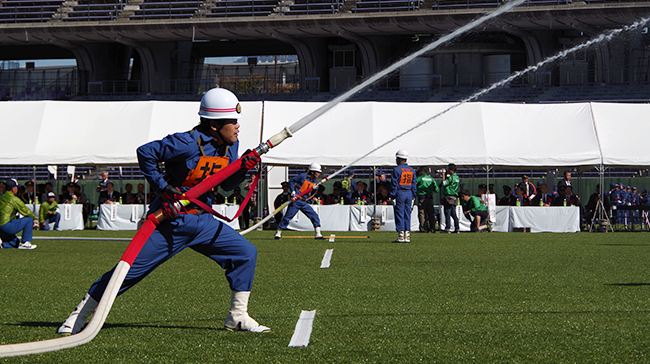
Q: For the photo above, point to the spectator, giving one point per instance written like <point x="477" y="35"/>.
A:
<point x="349" y="184"/>
<point x="219" y="199"/>
<point x="555" y="194"/>
<point x="319" y="197"/>
<point x="282" y="198"/>
<point x="404" y="191"/>
<point x="299" y="184"/>
<point x="566" y="181"/>
<point x="567" y="198"/>
<point x="644" y="199"/>
<point x="10" y="204"/>
<point x="48" y="189"/>
<point x="508" y="198"/>
<point x="361" y="196"/>
<point x="491" y="191"/>
<point x="250" y="212"/>
<point x="140" y="197"/>
<point x="82" y="199"/>
<point x="69" y="197"/>
<point x="380" y="179"/>
<point x="110" y="196"/>
<point x="474" y="208"/>
<point x="338" y="196"/>
<point x="48" y="213"/>
<point x="542" y="198"/>
<point x="128" y="197"/>
<point x="383" y="196"/>
<point x="103" y="185"/>
<point x="2" y="188"/>
<point x="426" y="188"/>
<point x="451" y="185"/>
<point x="482" y="190"/>
<point x="29" y="196"/>
<point x="527" y="187"/>
<point x="520" y="199"/>
<point x="616" y="200"/>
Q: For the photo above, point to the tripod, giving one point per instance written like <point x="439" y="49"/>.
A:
<point x="602" y="216"/>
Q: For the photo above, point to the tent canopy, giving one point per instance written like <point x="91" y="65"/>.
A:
<point x="471" y="134"/>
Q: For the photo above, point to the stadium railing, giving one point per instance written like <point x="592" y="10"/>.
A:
<point x="362" y="6"/>
<point x="238" y="8"/>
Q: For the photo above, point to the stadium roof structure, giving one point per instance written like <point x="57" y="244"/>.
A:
<point x="471" y="134"/>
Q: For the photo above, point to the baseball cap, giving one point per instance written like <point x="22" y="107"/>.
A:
<point x="51" y="194"/>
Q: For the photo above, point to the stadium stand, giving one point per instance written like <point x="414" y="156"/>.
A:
<point x="21" y="11"/>
<point x="165" y="9"/>
<point x="86" y="10"/>
<point x="237" y="8"/>
<point x="304" y="7"/>
<point x="366" y="6"/>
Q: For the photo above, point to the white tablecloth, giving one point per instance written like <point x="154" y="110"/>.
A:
<point x="127" y="217"/>
<point x="71" y="216"/>
<point x="350" y="218"/>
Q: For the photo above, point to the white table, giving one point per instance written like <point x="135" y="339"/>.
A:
<point x="350" y="218"/>
<point x="71" y="216"/>
<point x="130" y="217"/>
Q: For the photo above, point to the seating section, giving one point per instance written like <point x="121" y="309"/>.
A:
<point x="464" y="4"/>
<point x="23" y="11"/>
<point x="304" y="7"/>
<point x="367" y="6"/>
<point x="93" y="10"/>
<point x="165" y="9"/>
<point x="238" y="8"/>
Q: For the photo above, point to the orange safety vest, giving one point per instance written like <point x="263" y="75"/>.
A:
<point x="306" y="185"/>
<point x="206" y="167"/>
<point x="406" y="178"/>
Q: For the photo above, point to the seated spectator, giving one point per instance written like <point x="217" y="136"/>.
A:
<point x="318" y="197"/>
<point x="482" y="190"/>
<point x="520" y="199"/>
<point x="128" y="197"/>
<point x="491" y="191"/>
<point x="380" y="180"/>
<point x="474" y="208"/>
<point x="219" y="199"/>
<point x="236" y="197"/>
<point x="140" y="197"/>
<point x="110" y="196"/>
<point x="527" y="187"/>
<point x="383" y="197"/>
<point x="337" y="197"/>
<point x="29" y="196"/>
<point x="69" y="197"/>
<point x="508" y="198"/>
<point x="48" y="188"/>
<point x="10" y="205"/>
<point x="361" y="196"/>
<point x="282" y="198"/>
<point x="567" y="198"/>
<point x="542" y="198"/>
<point x="81" y="197"/>
<point x="48" y="213"/>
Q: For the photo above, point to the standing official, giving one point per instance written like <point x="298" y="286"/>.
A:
<point x="403" y="191"/>
<point x="190" y="157"/>
<point x="297" y="185"/>
<point x="450" y="188"/>
<point x="426" y="187"/>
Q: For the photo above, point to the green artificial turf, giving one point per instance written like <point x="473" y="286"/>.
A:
<point x="502" y="298"/>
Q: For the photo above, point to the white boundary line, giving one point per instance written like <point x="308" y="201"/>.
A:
<point x="302" y="332"/>
<point x="326" y="258"/>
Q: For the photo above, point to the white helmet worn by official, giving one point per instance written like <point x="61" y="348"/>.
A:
<point x="402" y="154"/>
<point x="315" y="167"/>
<point x="219" y="103"/>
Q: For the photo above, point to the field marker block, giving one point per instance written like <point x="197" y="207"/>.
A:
<point x="332" y="238"/>
<point x="326" y="258"/>
<point x="302" y="333"/>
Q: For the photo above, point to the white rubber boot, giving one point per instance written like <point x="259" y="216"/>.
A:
<point x="407" y="236"/>
<point x="400" y="238"/>
<point x="278" y="234"/>
<point x="78" y="318"/>
<point x="318" y="236"/>
<point x="238" y="318"/>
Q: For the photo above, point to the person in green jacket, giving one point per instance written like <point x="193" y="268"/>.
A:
<point x="450" y="187"/>
<point x="473" y="207"/>
<point x="427" y="186"/>
<point x="49" y="213"/>
<point x="9" y="225"/>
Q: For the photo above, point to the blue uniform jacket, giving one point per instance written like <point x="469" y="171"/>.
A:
<point x="296" y="182"/>
<point x="181" y="153"/>
<point x="396" y="177"/>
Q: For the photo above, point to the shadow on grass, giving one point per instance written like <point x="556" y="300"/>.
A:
<point x="627" y="284"/>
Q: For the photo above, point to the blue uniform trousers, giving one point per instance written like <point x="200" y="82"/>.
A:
<point x="56" y="218"/>
<point x="204" y="234"/>
<point x="9" y="230"/>
<point x="292" y="210"/>
<point x="403" y="202"/>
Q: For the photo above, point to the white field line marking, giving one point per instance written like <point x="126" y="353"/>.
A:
<point x="302" y="332"/>
<point x="326" y="258"/>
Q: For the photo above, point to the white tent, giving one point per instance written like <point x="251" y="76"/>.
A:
<point x="623" y="132"/>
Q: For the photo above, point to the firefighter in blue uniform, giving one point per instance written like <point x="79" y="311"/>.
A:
<point x="189" y="158"/>
<point x="403" y="191"/>
<point x="297" y="185"/>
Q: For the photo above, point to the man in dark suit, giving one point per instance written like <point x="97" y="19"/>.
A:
<point x="109" y="196"/>
<point x="527" y="187"/>
<point x="508" y="198"/>
<point x="542" y="197"/>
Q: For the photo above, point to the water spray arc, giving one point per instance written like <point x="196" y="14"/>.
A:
<point x="607" y="36"/>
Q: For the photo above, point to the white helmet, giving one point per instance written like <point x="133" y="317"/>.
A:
<point x="314" y="167"/>
<point x="219" y="103"/>
<point x="402" y="154"/>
